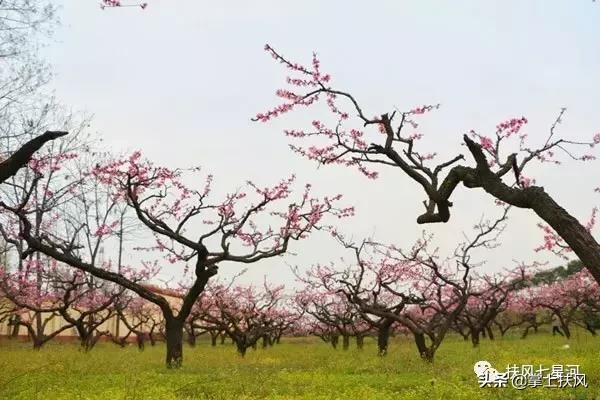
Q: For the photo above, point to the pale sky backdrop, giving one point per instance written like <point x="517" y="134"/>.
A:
<point x="181" y="79"/>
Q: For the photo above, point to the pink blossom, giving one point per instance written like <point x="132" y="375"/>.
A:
<point x="486" y="143"/>
<point x="525" y="181"/>
<point x="510" y="127"/>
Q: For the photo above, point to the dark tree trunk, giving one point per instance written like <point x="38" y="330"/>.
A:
<point x="568" y="227"/>
<point x="360" y="341"/>
<point x="38" y="322"/>
<point x="16" y="327"/>
<point x="490" y="333"/>
<point x="278" y="339"/>
<point x="574" y="234"/>
<point x="425" y="352"/>
<point x="223" y="338"/>
<point x="265" y="341"/>
<point x="334" y="341"/>
<point x="140" y="338"/>
<point x="37" y="344"/>
<point x="566" y="330"/>
<point x="86" y="334"/>
<point x="241" y="344"/>
<point x="502" y="330"/>
<point x="577" y="237"/>
<point x="86" y="341"/>
<point x="345" y="342"/>
<point x="174" y="337"/>
<point x="383" y="338"/>
<point x="191" y="339"/>
<point x="241" y="348"/>
<point x="213" y="338"/>
<point x="590" y="328"/>
<point x="93" y="340"/>
<point x="475" y="337"/>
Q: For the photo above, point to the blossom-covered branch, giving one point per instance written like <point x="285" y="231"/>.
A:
<point x="352" y="138"/>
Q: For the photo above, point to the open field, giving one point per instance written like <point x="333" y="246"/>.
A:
<point x="296" y="369"/>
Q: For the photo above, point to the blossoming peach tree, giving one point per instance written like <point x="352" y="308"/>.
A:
<point x="68" y="296"/>
<point x="500" y="159"/>
<point x="573" y="300"/>
<point x="416" y="289"/>
<point x="332" y="314"/>
<point x="244" y="313"/>
<point x="247" y="226"/>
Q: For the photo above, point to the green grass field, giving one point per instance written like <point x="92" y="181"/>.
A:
<point x="295" y="369"/>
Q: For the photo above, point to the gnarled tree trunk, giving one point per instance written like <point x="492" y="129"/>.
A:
<point x="475" y="337"/>
<point x="425" y="352"/>
<point x="383" y="337"/>
<point x="490" y="333"/>
<point x="174" y="337"/>
<point x="213" y="338"/>
<point x="345" y="342"/>
<point x="535" y="198"/>
<point x="334" y="341"/>
<point x="360" y="341"/>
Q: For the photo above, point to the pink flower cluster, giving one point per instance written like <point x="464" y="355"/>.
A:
<point x="139" y="175"/>
<point x="50" y="163"/>
<point x="486" y="143"/>
<point x="526" y="182"/>
<point x="510" y="127"/>
<point x="424" y="108"/>
<point x="552" y="242"/>
<point x="341" y="146"/>
<point x="280" y="191"/>
<point x="105" y="229"/>
<point x="591" y="223"/>
<point x="313" y="78"/>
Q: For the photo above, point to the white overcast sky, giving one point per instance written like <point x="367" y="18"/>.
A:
<point x="181" y="79"/>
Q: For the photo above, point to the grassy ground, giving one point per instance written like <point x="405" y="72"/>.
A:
<point x="295" y="369"/>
